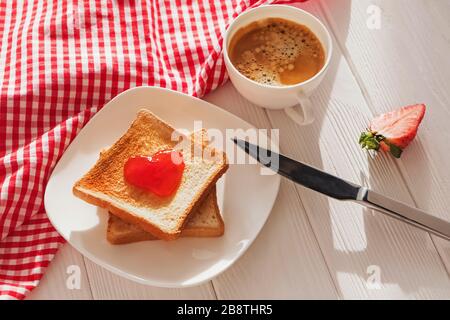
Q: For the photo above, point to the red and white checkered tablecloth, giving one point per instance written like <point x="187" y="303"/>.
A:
<point x="60" y="62"/>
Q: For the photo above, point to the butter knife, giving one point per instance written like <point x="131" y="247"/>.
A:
<point x="340" y="189"/>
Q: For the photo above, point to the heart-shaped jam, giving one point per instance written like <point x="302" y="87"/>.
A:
<point x="160" y="174"/>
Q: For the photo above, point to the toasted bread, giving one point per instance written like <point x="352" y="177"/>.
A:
<point x="104" y="185"/>
<point x="206" y="221"/>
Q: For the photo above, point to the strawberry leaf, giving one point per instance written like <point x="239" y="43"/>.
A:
<point x="394" y="150"/>
<point x="370" y="141"/>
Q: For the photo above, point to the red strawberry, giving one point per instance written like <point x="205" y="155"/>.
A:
<point x="393" y="131"/>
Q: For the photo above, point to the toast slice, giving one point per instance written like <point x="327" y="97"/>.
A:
<point x="104" y="185"/>
<point x="206" y="221"/>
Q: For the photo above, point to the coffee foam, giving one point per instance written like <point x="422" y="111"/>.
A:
<point x="277" y="47"/>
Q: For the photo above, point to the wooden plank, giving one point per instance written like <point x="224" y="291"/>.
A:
<point x="406" y="61"/>
<point x="286" y="249"/>
<point x="355" y="240"/>
<point x="108" y="286"/>
<point x="54" y="283"/>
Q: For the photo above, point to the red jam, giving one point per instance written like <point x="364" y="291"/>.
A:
<point x="160" y="174"/>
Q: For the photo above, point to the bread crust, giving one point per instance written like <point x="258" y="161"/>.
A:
<point x="207" y="232"/>
<point x="129" y="217"/>
<point x="141" y="222"/>
<point x="129" y="237"/>
<point x="136" y="235"/>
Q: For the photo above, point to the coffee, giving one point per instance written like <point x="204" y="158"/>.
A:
<point x="277" y="52"/>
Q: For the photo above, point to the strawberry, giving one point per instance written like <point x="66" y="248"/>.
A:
<point x="393" y="131"/>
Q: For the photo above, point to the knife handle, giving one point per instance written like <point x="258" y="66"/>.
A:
<point x="403" y="212"/>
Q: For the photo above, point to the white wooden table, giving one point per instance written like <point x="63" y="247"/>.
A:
<point x="312" y="246"/>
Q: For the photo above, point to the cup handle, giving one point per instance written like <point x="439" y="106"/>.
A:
<point x="302" y="114"/>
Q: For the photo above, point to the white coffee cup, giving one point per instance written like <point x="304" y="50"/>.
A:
<point x="294" y="99"/>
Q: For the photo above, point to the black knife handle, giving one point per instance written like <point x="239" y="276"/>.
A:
<point x="318" y="180"/>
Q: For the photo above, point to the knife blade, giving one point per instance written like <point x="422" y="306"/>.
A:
<point x="341" y="189"/>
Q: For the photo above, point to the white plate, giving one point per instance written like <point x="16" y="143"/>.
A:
<point x="245" y="196"/>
